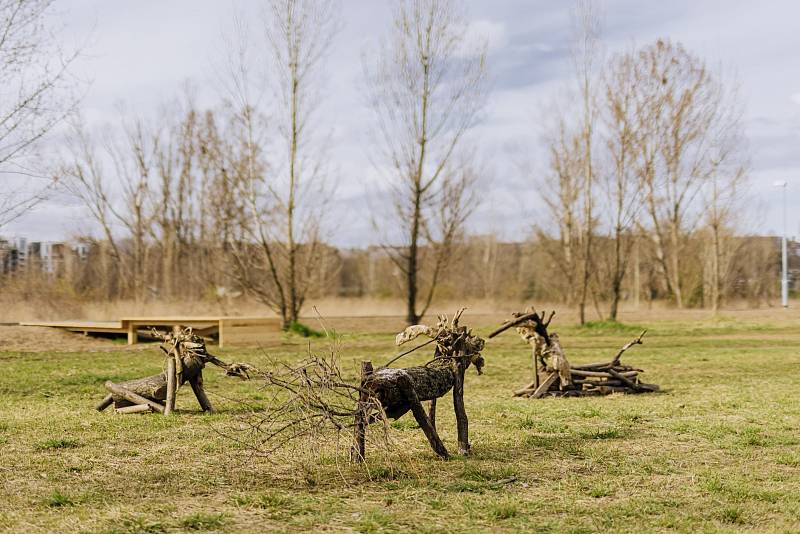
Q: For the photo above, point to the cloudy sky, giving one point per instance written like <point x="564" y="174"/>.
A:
<point x="141" y="53"/>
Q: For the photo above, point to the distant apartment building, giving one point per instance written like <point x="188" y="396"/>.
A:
<point x="49" y="257"/>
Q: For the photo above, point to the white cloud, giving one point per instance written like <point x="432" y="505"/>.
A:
<point x="491" y="32"/>
<point x="796" y="98"/>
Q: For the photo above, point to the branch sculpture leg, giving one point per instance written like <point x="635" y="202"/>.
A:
<point x="432" y="413"/>
<point x="197" y="386"/>
<point x="105" y="403"/>
<point x="358" y="450"/>
<point x="132" y="397"/>
<point x="172" y="385"/>
<point x="426" y="426"/>
<point x="461" y="414"/>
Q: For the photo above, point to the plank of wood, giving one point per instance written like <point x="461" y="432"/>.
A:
<point x="545" y="385"/>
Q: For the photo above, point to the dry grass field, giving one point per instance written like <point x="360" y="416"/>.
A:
<point x="717" y="450"/>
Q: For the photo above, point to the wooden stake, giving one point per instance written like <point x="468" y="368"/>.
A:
<point x="358" y="450"/>
<point x="172" y="386"/>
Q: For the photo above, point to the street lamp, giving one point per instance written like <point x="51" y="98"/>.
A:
<point x="784" y="255"/>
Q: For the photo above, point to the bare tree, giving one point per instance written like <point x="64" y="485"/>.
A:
<point x="723" y="195"/>
<point x="427" y="87"/>
<point x="562" y="193"/>
<point x="586" y="56"/>
<point x="34" y="98"/>
<point x="83" y="174"/>
<point x="119" y="198"/>
<point x="285" y="188"/>
<point x="680" y="108"/>
<point x="621" y="181"/>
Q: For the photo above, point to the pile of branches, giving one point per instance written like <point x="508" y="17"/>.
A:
<point x="308" y="405"/>
<point x="600" y="378"/>
<point x="554" y="376"/>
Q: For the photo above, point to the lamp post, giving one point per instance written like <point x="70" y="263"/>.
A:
<point x="784" y="255"/>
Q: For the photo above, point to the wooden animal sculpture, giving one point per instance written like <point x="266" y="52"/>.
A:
<point x="186" y="358"/>
<point x="399" y="390"/>
<point x="559" y="378"/>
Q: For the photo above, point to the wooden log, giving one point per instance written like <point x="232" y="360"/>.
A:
<point x="530" y="387"/>
<point x="601" y="374"/>
<point x="151" y="387"/>
<point x="597" y="382"/>
<point x="545" y="385"/>
<point x="132" y="397"/>
<point x="172" y="386"/>
<point x="624" y="379"/>
<point x="136" y="408"/>
<point x="107" y="401"/>
<point x="358" y="449"/>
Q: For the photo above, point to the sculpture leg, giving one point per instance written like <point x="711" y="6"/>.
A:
<point x="422" y="419"/>
<point x="172" y="385"/>
<point x="358" y="450"/>
<point x="461" y="414"/>
<point x="432" y="413"/>
<point x="199" y="392"/>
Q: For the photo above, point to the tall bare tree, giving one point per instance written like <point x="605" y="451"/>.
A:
<point x="621" y="181"/>
<point x="723" y="196"/>
<point x="35" y="95"/>
<point x="428" y="84"/>
<point x="562" y="192"/>
<point x="285" y="186"/>
<point x="114" y="182"/>
<point x="586" y="59"/>
<point x="680" y="107"/>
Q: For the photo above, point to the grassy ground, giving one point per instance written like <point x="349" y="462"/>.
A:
<point x="717" y="450"/>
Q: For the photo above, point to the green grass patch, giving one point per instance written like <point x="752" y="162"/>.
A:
<point x="202" y="521"/>
<point x="610" y="327"/>
<point x="57" y="500"/>
<point x="298" y="328"/>
<point x="57" y="443"/>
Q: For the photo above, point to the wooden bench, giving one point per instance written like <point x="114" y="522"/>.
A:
<point x="130" y="326"/>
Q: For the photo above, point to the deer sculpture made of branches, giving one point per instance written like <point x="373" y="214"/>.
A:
<point x="400" y="390"/>
<point x="186" y="356"/>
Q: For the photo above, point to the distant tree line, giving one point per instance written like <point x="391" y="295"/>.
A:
<point x="643" y="183"/>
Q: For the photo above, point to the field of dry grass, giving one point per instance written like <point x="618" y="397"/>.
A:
<point x="717" y="450"/>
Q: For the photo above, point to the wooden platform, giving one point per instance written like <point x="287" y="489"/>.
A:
<point x="130" y="326"/>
